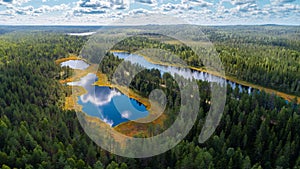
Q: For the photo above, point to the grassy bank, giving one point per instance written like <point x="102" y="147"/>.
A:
<point x="71" y="101"/>
<point x="70" y="57"/>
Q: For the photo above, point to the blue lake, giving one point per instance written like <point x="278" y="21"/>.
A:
<point x="100" y="102"/>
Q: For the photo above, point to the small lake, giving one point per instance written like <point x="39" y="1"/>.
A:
<point x="75" y="64"/>
<point x="81" y="34"/>
<point x="100" y="102"/>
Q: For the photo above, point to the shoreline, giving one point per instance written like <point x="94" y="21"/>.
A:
<point x="70" y="57"/>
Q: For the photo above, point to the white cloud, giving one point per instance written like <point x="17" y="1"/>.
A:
<point x="87" y="82"/>
<point x="281" y="2"/>
<point x="108" y="11"/>
<point x="101" y="100"/>
<point x="106" y="8"/>
<point x="84" y="81"/>
<point x="94" y="4"/>
<point x="109" y="122"/>
<point x="13" y="2"/>
<point x="30" y="10"/>
<point x="242" y="2"/>
<point x="148" y="2"/>
<point x="200" y="3"/>
<point x="126" y="114"/>
<point x="176" y="7"/>
<point x="139" y="12"/>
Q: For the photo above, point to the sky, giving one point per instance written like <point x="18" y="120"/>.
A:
<point x="139" y="12"/>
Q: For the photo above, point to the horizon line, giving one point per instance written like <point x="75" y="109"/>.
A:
<point x="87" y="25"/>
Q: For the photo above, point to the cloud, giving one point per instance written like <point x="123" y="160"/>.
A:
<point x="287" y="1"/>
<point x="126" y="114"/>
<point x="247" y="7"/>
<point x="168" y="7"/>
<point x="176" y="7"/>
<point x="87" y="82"/>
<point x="84" y="81"/>
<point x="109" y="11"/>
<point x="139" y="11"/>
<point x="104" y="4"/>
<point x="46" y="8"/>
<point x="200" y="3"/>
<point x="242" y="2"/>
<point x="79" y="12"/>
<point x="7" y="1"/>
<point x="96" y="7"/>
<point x="149" y="2"/>
<point x="25" y="10"/>
<point x="283" y="10"/>
<point x="109" y="122"/>
<point x="94" y="4"/>
<point x="283" y="1"/>
<point x="30" y="10"/>
<point x="278" y="11"/>
<point x="100" y="101"/>
<point x="239" y="10"/>
<point x="13" y="2"/>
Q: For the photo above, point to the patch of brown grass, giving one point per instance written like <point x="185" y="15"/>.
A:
<point x="70" y="57"/>
<point x="71" y="101"/>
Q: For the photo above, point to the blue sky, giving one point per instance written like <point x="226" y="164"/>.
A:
<point x="106" y="12"/>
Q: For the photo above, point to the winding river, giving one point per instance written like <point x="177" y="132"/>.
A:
<point x="185" y="72"/>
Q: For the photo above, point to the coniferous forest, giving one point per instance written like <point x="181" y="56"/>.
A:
<point x="257" y="130"/>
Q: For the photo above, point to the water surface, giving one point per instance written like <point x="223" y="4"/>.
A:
<point x="82" y="34"/>
<point x="75" y="64"/>
<point x="100" y="102"/>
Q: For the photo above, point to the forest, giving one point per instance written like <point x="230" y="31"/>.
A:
<point x="270" y="61"/>
<point x="256" y="131"/>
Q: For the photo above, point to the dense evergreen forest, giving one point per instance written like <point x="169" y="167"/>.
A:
<point x="256" y="131"/>
<point x="265" y="56"/>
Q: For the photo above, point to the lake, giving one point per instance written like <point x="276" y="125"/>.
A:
<point x="100" y="102"/>
<point x="75" y="64"/>
<point x="81" y="34"/>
